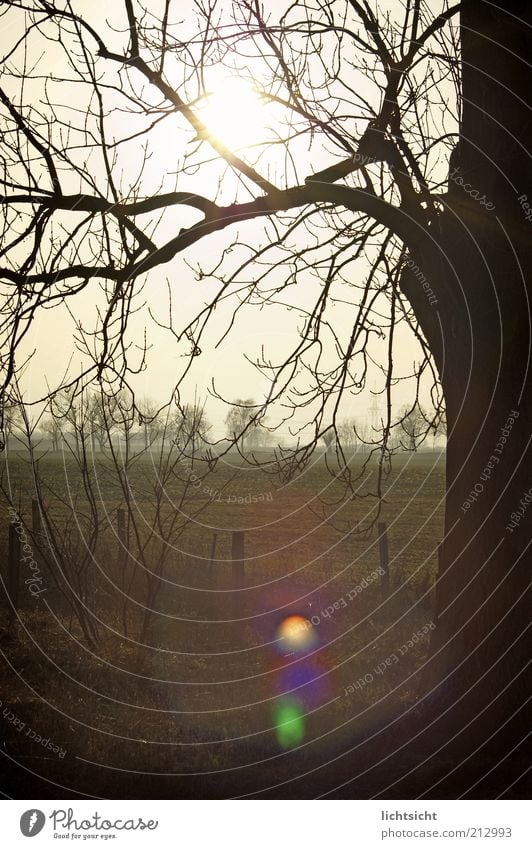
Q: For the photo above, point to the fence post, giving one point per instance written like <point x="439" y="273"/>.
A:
<point x="384" y="559"/>
<point x="13" y="566"/>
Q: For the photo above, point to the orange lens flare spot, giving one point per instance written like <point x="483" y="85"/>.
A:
<point x="296" y="634"/>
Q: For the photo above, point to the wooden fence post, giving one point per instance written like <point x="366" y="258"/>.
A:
<point x="384" y="559"/>
<point x="13" y="567"/>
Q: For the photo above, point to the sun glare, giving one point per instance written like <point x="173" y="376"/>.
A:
<point x="233" y="113"/>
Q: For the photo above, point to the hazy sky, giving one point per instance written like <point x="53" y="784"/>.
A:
<point x="274" y="326"/>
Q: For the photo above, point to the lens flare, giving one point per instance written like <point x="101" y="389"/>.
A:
<point x="289" y="723"/>
<point x="295" y="634"/>
<point x="300" y="679"/>
<point x="307" y="679"/>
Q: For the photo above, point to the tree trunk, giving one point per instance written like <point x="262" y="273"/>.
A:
<point x="476" y="679"/>
<point x="483" y="595"/>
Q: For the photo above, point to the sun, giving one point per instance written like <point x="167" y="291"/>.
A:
<point x="233" y="113"/>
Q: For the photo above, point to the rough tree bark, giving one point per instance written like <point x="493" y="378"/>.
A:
<point x="480" y="268"/>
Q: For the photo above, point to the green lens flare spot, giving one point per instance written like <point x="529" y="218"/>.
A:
<point x="289" y="724"/>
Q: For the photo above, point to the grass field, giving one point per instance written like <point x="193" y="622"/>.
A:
<point x="201" y="689"/>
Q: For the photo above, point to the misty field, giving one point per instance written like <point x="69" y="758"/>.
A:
<point x="149" y="658"/>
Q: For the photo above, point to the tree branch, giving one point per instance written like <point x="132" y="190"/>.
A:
<point x="407" y="228"/>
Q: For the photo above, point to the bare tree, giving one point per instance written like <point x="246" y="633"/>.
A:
<point x="414" y="425"/>
<point x="13" y="422"/>
<point x="73" y="415"/>
<point x="122" y="417"/>
<point x="242" y="426"/>
<point x="100" y="407"/>
<point x="348" y="433"/>
<point x="388" y="157"/>
<point x="192" y="427"/>
<point x="330" y="438"/>
<point x="51" y="427"/>
<point x="95" y="570"/>
<point x="149" y="420"/>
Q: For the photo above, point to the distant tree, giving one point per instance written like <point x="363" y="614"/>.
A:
<point x="192" y="427"/>
<point x="361" y="432"/>
<point x="241" y="424"/>
<point x="264" y="437"/>
<point x="330" y="439"/>
<point x="256" y="437"/>
<point x="95" y="416"/>
<point x="12" y="420"/>
<point x="73" y="410"/>
<point x="413" y="423"/>
<point x="99" y="407"/>
<point x="347" y="434"/>
<point x="51" y="427"/>
<point x="122" y="413"/>
<point x="149" y="421"/>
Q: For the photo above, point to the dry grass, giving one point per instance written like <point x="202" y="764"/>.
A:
<point x="113" y="704"/>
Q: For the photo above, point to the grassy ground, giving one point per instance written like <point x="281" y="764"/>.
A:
<point x="196" y="697"/>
